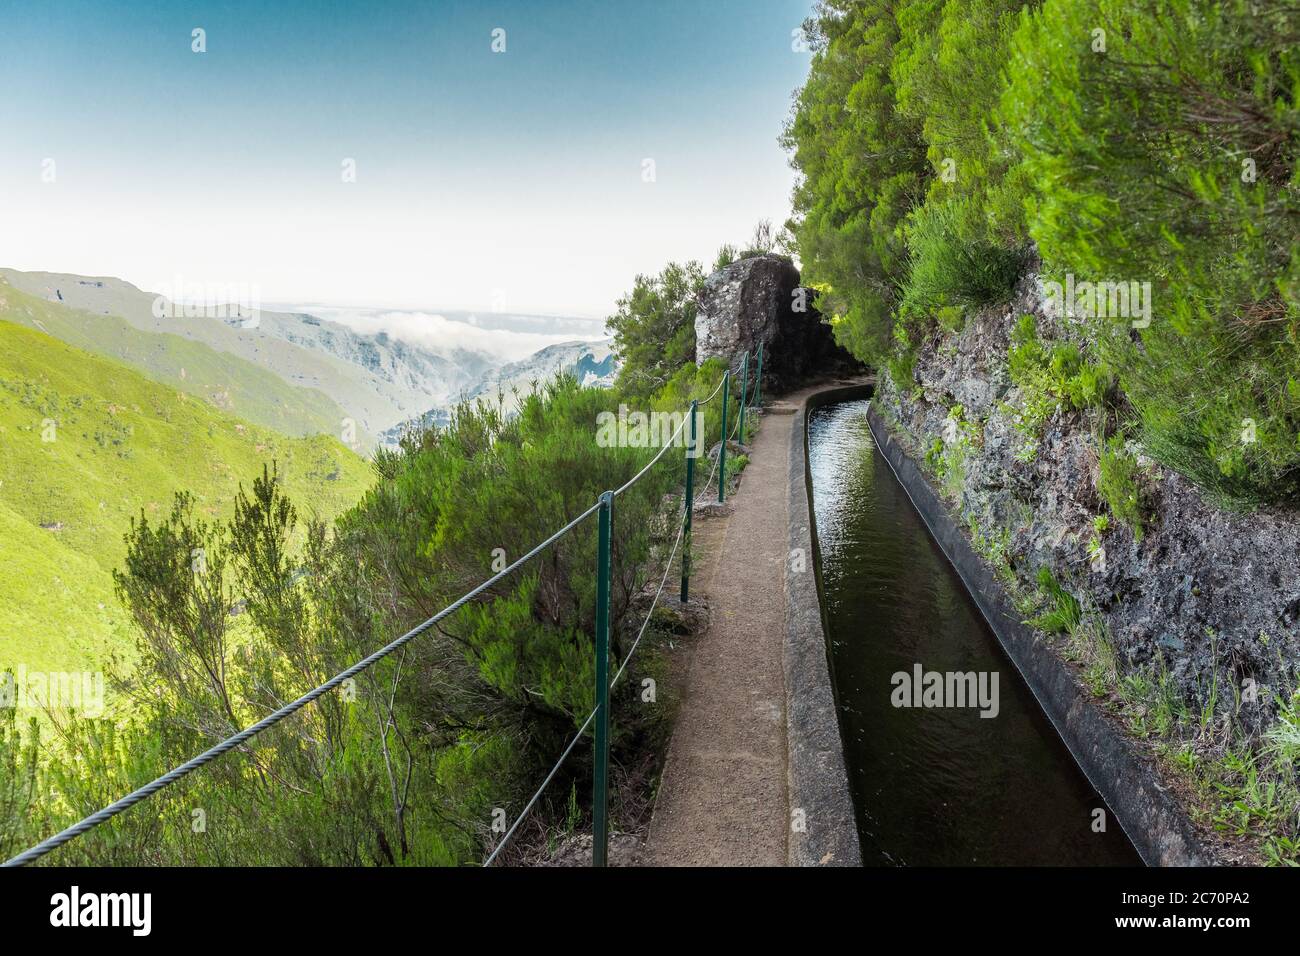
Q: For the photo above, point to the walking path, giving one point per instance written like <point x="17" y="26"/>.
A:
<point x="723" y="799"/>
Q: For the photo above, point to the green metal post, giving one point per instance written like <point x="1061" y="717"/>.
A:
<point x="600" y="777"/>
<point x="758" y="379"/>
<point x="692" y="449"/>
<point x="722" y="449"/>
<point x="744" y="394"/>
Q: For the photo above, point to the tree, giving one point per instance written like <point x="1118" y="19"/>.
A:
<point x="654" y="328"/>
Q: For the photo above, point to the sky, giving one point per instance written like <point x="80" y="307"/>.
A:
<point x="608" y="138"/>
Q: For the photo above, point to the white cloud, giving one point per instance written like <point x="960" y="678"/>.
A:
<point x="443" y="335"/>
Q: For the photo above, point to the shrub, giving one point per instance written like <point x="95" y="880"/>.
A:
<point x="1119" y="483"/>
<point x="654" y="328"/>
<point x="951" y="263"/>
<point x="1161" y="139"/>
<point x="1062" y="614"/>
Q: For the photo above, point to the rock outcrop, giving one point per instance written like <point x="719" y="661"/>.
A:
<point x="759" y="300"/>
<point x="1208" y="598"/>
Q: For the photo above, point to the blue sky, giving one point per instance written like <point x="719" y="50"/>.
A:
<point x="483" y="179"/>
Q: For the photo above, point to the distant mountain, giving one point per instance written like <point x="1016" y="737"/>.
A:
<point x="226" y="381"/>
<point x="375" y="380"/>
<point x="592" y="363"/>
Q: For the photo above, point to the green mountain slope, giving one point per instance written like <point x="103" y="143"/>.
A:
<point x="225" y="380"/>
<point x="85" y="444"/>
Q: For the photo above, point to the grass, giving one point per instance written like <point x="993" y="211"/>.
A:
<point x="1246" y="788"/>
<point x="89" y="444"/>
<point x="1118" y="482"/>
<point x="1062" y="614"/>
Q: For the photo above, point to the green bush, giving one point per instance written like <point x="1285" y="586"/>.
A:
<point x="1161" y="139"/>
<point x="654" y="327"/>
<point x="1119" y="482"/>
<point x="952" y="263"/>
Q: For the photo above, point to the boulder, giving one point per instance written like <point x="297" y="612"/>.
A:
<point x="759" y="300"/>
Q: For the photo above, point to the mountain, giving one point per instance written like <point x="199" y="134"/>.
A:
<point x="593" y="363"/>
<point x="85" y="445"/>
<point x="375" y="380"/>
<point x="220" y="378"/>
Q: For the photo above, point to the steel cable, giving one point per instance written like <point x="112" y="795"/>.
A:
<point x="230" y="743"/>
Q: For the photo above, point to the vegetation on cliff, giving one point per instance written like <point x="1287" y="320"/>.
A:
<point x="1152" y="147"/>
<point x="1143" y="160"/>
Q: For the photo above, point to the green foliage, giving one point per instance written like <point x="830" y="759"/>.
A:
<point x="1153" y="142"/>
<point x="863" y="168"/>
<point x="907" y="204"/>
<point x="1170" y="157"/>
<point x="951" y="263"/>
<point x="948" y="74"/>
<point x="233" y="617"/>
<point x="88" y="444"/>
<point x="19" y="776"/>
<point x="1062" y="614"/>
<point x="654" y="328"/>
<point x="947" y="455"/>
<point x="727" y="254"/>
<point x="1119" y="484"/>
<point x="1050" y="376"/>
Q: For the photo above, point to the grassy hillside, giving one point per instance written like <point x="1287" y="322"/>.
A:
<point x="224" y="380"/>
<point x="85" y="444"/>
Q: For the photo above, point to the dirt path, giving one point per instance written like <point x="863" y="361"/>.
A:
<point x="723" y="798"/>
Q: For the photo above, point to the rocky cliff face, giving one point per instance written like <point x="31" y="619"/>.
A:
<point x="759" y="300"/>
<point x="1208" y="600"/>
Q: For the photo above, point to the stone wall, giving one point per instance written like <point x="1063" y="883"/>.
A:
<point x="1209" y="598"/>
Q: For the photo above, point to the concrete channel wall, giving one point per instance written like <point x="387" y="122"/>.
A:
<point x="818" y="777"/>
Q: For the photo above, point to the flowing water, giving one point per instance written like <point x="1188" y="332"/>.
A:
<point x="933" y="785"/>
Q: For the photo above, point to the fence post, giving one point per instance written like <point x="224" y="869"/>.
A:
<point x="758" y="379"/>
<point x="744" y="394"/>
<point x="692" y="450"/>
<point x="600" y="776"/>
<point x="722" y="449"/>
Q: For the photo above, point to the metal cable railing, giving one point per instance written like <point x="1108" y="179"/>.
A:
<point x="683" y="528"/>
<point x="599" y="714"/>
